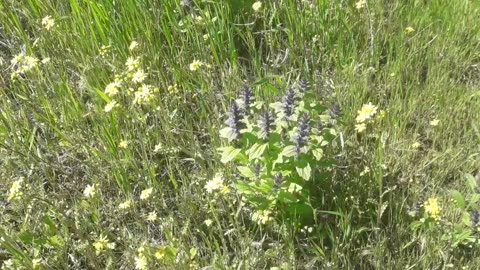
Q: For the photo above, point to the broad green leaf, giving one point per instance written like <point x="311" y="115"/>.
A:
<point x="317" y="153"/>
<point x="25" y="237"/>
<point x="458" y="197"/>
<point x="305" y="172"/>
<point x="293" y="187"/>
<point x="471" y="181"/>
<point x="246" y="172"/>
<point x="227" y="133"/>
<point x="256" y="151"/>
<point x="229" y="153"/>
<point x="289" y="151"/>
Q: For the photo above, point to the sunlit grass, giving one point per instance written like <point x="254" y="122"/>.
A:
<point x="110" y="113"/>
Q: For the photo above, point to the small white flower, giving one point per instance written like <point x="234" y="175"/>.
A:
<point x="215" y="184"/>
<point x="139" y="76"/>
<point x="133" y="45"/>
<point x="257" y="6"/>
<point x="90" y="191"/>
<point x="48" y="22"/>
<point x="146" y="194"/>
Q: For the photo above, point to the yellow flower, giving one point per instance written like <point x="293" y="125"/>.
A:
<point x="144" y="94"/>
<point x="416" y="145"/>
<point x="146" y="194"/>
<point x="172" y="88"/>
<point x="257" y="6"/>
<point x="141" y="262"/>
<point x="152" y="216"/>
<point x="215" y="184"/>
<point x="432" y="208"/>
<point x="434" y="122"/>
<point x="48" y="22"/>
<point x="139" y="76"/>
<point x="112" y="104"/>
<point x="123" y="144"/>
<point x="409" y="30"/>
<point x="132" y="63"/>
<point x="102" y="244"/>
<point x="16" y="190"/>
<point x="195" y="65"/>
<point x="366" y="113"/>
<point x="262" y="216"/>
<point x="133" y="45"/>
<point x="112" y="89"/>
<point x="125" y="205"/>
<point x="361" y="4"/>
<point x="208" y="222"/>
<point x="360" y="127"/>
<point x="90" y="191"/>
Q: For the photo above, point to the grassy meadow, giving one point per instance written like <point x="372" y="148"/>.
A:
<point x="355" y="143"/>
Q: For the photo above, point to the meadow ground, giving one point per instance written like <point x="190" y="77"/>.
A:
<point x="121" y="145"/>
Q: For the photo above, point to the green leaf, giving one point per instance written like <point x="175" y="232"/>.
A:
<point x="305" y="172"/>
<point x="471" y="181"/>
<point x="227" y="133"/>
<point x="289" y="151"/>
<point x="317" y="153"/>
<point x="246" y="172"/>
<point x="293" y="187"/>
<point x="229" y="153"/>
<point x="458" y="197"/>
<point x="103" y="96"/>
<point x="256" y="151"/>
<point x="25" y="237"/>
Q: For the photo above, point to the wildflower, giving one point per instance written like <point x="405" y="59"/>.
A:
<point x="416" y="145"/>
<point x="132" y="63"/>
<point x="146" y="194"/>
<point x="288" y="103"/>
<point x="246" y="99"/>
<point x="23" y="63"/>
<point x="302" y="86"/>
<point x="335" y="111"/>
<point x="104" y="50"/>
<point x="123" y="144"/>
<point x="90" y="191"/>
<point x="139" y="76"/>
<point x="205" y="37"/>
<point x="172" y="88"/>
<point x="112" y="104"/>
<point x="257" y="6"/>
<point x="409" y="30"/>
<point x="432" y="208"/>
<point x="141" y="262"/>
<point x="152" y="216"/>
<point x="102" y="244"/>
<point x="215" y="184"/>
<point x="233" y="121"/>
<point x="366" y="113"/>
<point x="48" y="22"/>
<point x="361" y="4"/>
<point x="198" y="20"/>
<point x="434" y="122"/>
<point x="195" y="65"/>
<point x="125" y="205"/>
<point x="303" y="130"/>
<point x="277" y="182"/>
<point x="144" y="94"/>
<point x="208" y="222"/>
<point x="360" y="127"/>
<point x="16" y="190"/>
<point x="133" y="45"/>
<point x="112" y="89"/>
<point x="266" y="124"/>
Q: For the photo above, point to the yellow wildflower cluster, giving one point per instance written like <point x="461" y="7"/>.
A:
<point x="141" y="262"/>
<point x="144" y="94"/>
<point x="48" y="22"/>
<point x="432" y="208"/>
<point x="16" y="190"/>
<point x="364" y="115"/>
<point x="23" y="63"/>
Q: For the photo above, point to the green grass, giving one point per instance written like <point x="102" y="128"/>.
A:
<point x="55" y="135"/>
